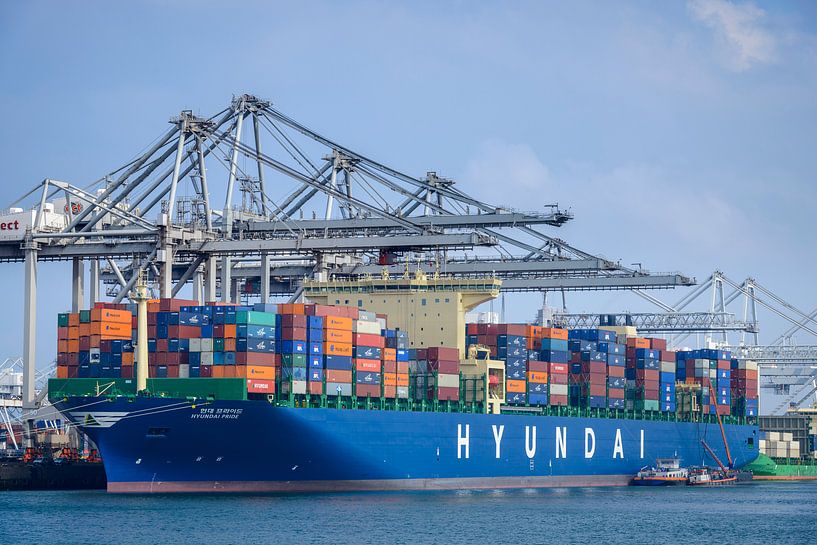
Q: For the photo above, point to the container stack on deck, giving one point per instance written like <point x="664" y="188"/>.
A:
<point x="744" y="387"/>
<point x="552" y="344"/>
<point x="711" y="369"/>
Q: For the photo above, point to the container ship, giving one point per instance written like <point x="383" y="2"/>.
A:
<point x="181" y="396"/>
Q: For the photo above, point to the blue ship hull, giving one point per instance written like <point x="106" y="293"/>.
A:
<point x="167" y="445"/>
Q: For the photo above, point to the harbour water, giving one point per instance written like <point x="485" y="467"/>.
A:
<point x="761" y="513"/>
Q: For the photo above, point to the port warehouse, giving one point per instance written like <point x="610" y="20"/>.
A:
<point x="106" y="233"/>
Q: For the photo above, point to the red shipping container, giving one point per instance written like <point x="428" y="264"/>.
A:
<point x="558" y="378"/>
<point x="390" y="391"/>
<point x="172" y="371"/>
<point x="315" y="388"/>
<point x="556" y="368"/>
<point x="368" y="339"/>
<point x="658" y="344"/>
<point x="367" y="365"/>
<point x="85" y="343"/>
<point x="615" y="393"/>
<point x="538" y="366"/>
<point x="594" y="389"/>
<point x="391" y="366"/>
<point x="294" y="321"/>
<point x="206" y="371"/>
<point x="470" y="329"/>
<point x="448" y="394"/>
<point x="615" y="371"/>
<point x="73" y="371"/>
<point x="367" y="390"/>
<point x="402" y="367"/>
<point x="667" y="355"/>
<point x="161" y="345"/>
<point x="255" y="358"/>
<point x="127" y="371"/>
<point x="443" y="353"/>
<point x="648" y="374"/>
<point x="444" y="367"/>
<point x="260" y="386"/>
<point x="492" y="329"/>
<point x="293" y="333"/>
<point x="422" y="354"/>
<point x="173" y="358"/>
<point x="724" y="364"/>
<point x="557" y="400"/>
<point x="594" y="367"/>
<point x="73" y="358"/>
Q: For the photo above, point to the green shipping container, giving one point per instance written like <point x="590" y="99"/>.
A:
<point x="217" y="388"/>
<point x="293" y="360"/>
<point x="62" y="320"/>
<point x="85" y="316"/>
<point x="251" y="317"/>
<point x="646" y="405"/>
<point x="218" y="345"/>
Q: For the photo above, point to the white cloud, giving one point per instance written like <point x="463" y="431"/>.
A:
<point x="508" y="174"/>
<point x="739" y="28"/>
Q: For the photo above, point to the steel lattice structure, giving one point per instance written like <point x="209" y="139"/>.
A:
<point x="250" y="195"/>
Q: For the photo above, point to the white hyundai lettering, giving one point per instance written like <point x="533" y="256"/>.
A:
<point x="561" y="442"/>
<point x="498" y="437"/>
<point x="462" y="440"/>
<point x="530" y="445"/>
<point x="618" y="448"/>
<point x="589" y="442"/>
<point x="642" y="444"/>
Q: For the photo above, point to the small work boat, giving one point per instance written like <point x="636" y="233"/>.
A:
<point x="667" y="472"/>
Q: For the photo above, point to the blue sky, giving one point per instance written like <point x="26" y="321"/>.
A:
<point x="681" y="134"/>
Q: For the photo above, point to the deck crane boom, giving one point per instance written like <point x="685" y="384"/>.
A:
<point x="723" y="434"/>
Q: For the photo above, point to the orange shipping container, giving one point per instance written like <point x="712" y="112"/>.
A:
<point x="73" y="333"/>
<point x="230" y="332"/>
<point x="638" y="342"/>
<point x="62" y="371"/>
<point x="402" y="379"/>
<point x="515" y="386"/>
<point x="389" y="379"/>
<point x="84" y="330"/>
<point x="260" y="372"/>
<point x="333" y="375"/>
<point x="538" y="377"/>
<point x="389" y="354"/>
<point x="367" y="365"/>
<point x="229" y="345"/>
<point x="337" y="349"/>
<point x="111" y="316"/>
<point x="62" y="346"/>
<point x="554" y="333"/>
<point x="218" y="371"/>
<point x="73" y="319"/>
<point x="232" y="371"/>
<point x="73" y="345"/>
<point x="337" y="322"/>
<point x="338" y="335"/>
<point x="127" y="358"/>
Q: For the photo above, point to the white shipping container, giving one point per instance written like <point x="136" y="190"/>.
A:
<point x="335" y="388"/>
<point x="206" y="345"/>
<point x="184" y="370"/>
<point x="402" y="392"/>
<point x="207" y="358"/>
<point x="195" y="345"/>
<point x="786" y="436"/>
<point x="448" y="381"/>
<point x="371" y="328"/>
<point x="558" y="389"/>
<point x="13" y="224"/>
<point x="667" y="366"/>
<point x="366" y="316"/>
<point x="773" y="436"/>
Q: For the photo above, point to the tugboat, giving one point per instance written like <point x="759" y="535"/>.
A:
<point x="706" y="476"/>
<point x="667" y="472"/>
